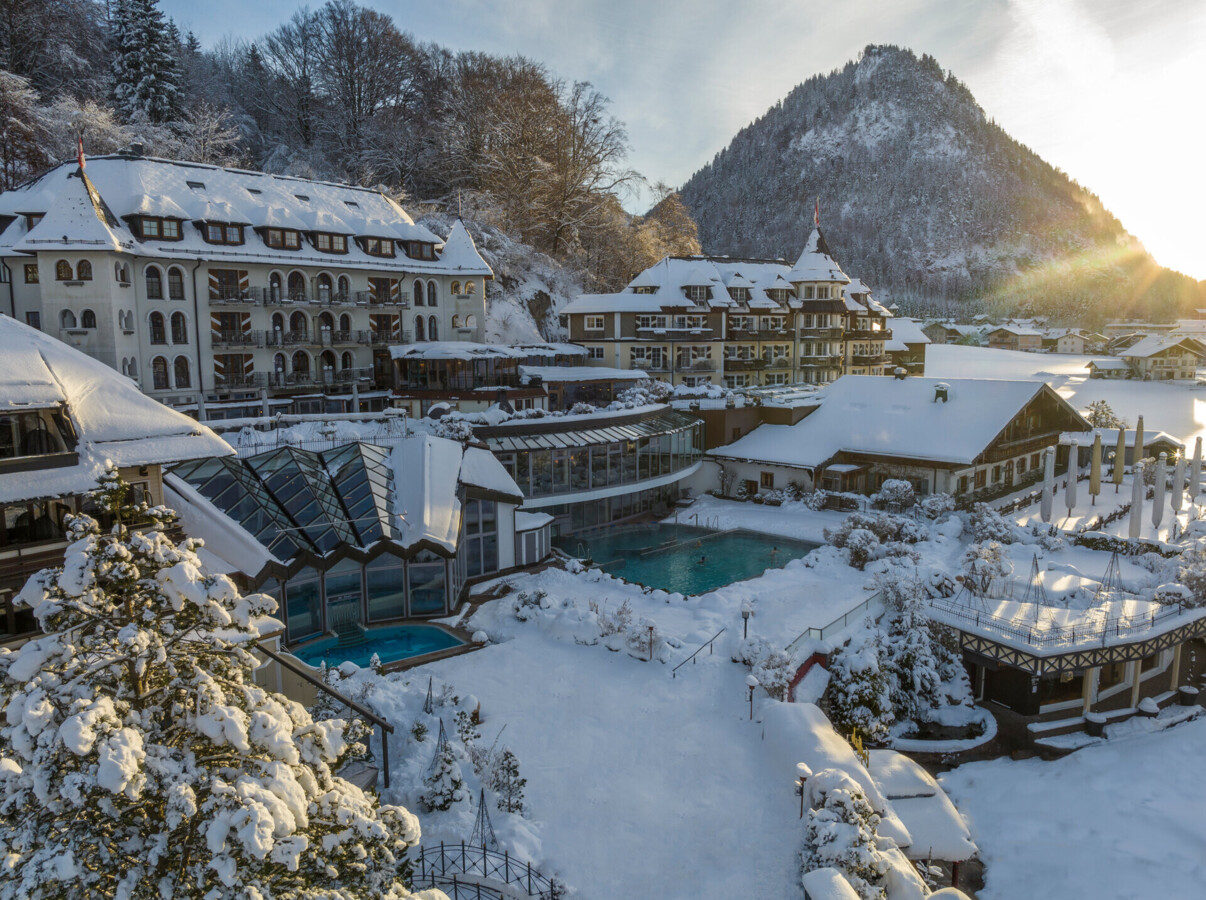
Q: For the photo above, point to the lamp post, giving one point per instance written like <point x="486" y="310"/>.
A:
<point x="802" y="773"/>
<point x="751" y="682"/>
<point x="746" y="612"/>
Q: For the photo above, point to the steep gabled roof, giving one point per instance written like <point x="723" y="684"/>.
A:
<point x="77" y="220"/>
<point x="460" y="253"/>
<point x="816" y="263"/>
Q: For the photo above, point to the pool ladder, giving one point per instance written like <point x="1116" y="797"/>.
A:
<point x="349" y="631"/>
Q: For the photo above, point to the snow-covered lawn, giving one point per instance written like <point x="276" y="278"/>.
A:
<point x="1115" y="821"/>
<point x="1177" y="407"/>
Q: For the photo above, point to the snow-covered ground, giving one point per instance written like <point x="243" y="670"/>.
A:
<point x="1177" y="407"/>
<point x="1115" y="821"/>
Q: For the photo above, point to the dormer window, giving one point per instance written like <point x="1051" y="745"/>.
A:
<point x="38" y="432"/>
<point x="330" y="243"/>
<point x="418" y="250"/>
<point x="282" y="238"/>
<point x="779" y="295"/>
<point x="222" y="233"/>
<point x="378" y="246"/>
<point x="698" y="293"/>
<point x="645" y="289"/>
<point x="32" y="219"/>
<point x="740" y="294"/>
<point x="155" y="228"/>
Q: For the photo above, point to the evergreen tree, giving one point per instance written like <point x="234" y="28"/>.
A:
<point x="859" y="691"/>
<point x="445" y="786"/>
<point x="508" y="784"/>
<point x="138" y="758"/>
<point x="145" y="71"/>
<point x="841" y="834"/>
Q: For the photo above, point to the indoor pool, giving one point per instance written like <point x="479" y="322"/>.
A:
<point x="683" y="559"/>
<point x="390" y="643"/>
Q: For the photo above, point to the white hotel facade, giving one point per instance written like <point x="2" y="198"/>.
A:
<point x="200" y="282"/>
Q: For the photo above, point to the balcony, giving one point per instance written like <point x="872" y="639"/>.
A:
<point x="385" y="338"/>
<point x="699" y="365"/>
<point x="743" y="365"/>
<point x="863" y="334"/>
<point x="374" y="298"/>
<point x="323" y="379"/>
<point x="759" y="334"/>
<point x="650" y="366"/>
<point x="674" y="334"/>
<point x="828" y="361"/>
<point x="274" y="338"/>
<point x="327" y="338"/>
<point x="778" y="362"/>
<point x="868" y="359"/>
<point x="236" y="382"/>
<point x="236" y="338"/>
<point x="822" y="334"/>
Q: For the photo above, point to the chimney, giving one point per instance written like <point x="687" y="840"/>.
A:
<point x="942" y="392"/>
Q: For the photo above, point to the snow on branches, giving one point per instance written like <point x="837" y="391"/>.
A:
<point x="138" y="758"/>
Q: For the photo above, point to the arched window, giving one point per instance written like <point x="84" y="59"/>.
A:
<point x="470" y="321"/>
<point x="419" y="329"/>
<point x="297" y="286"/>
<point x="345" y="287"/>
<point x="179" y="328"/>
<point x="154" y="283"/>
<point x="470" y="287"/>
<point x="278" y="321"/>
<point x="278" y="363"/>
<point x="133" y="367"/>
<point x="62" y="270"/>
<point x="326" y="322"/>
<point x="345" y="323"/>
<point x="455" y="287"/>
<point x="431" y="293"/>
<point x="324" y="287"/>
<point x="327" y="362"/>
<point x="456" y="321"/>
<point x="181" y="367"/>
<point x="175" y="284"/>
<point x="83" y="272"/>
<point x="345" y="361"/>
<point x="159" y="375"/>
<point x="87" y="319"/>
<point x="274" y="287"/>
<point x="117" y="271"/>
<point x="158" y="331"/>
<point x="298" y="324"/>
<point x="67" y="319"/>
<point x="418" y="293"/>
<point x="301" y="363"/>
<point x="433" y="329"/>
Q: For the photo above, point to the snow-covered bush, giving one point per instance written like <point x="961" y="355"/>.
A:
<point x="506" y="782"/>
<point x="528" y="605"/>
<point x="1192" y="574"/>
<point x="986" y="524"/>
<point x="842" y="834"/>
<point x="452" y="427"/>
<point x="771" y="666"/>
<point x="1173" y="594"/>
<point x="645" y="393"/>
<point x="894" y="494"/>
<point x="885" y="526"/>
<point x="862" y="545"/>
<point x="936" y="506"/>
<point x="613" y="623"/>
<point x="1100" y="414"/>
<point x="859" y="693"/>
<point x="582" y="409"/>
<point x="443" y="785"/>
<point x="1046" y="536"/>
<point x="139" y="758"/>
<point x="984" y="565"/>
<point x="817" y="499"/>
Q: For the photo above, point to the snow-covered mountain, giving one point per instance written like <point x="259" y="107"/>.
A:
<point x="925" y="198"/>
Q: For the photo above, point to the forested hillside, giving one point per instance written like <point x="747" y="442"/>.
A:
<point x="926" y="199"/>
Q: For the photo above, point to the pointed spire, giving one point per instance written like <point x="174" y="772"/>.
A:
<point x="460" y="252"/>
<point x="816" y="262"/>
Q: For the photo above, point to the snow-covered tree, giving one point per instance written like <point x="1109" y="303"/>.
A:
<point x="444" y="784"/>
<point x="984" y="564"/>
<point x="139" y="759"/>
<point x="24" y="133"/>
<point x="894" y="494"/>
<point x="1100" y="415"/>
<point x="1192" y="575"/>
<point x="146" y="79"/>
<point x="858" y="693"/>
<point x="841" y="834"/>
<point x="908" y="655"/>
<point x="507" y="783"/>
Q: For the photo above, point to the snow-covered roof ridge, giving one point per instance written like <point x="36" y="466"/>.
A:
<point x="460" y="253"/>
<point x="113" y="420"/>
<point x="816" y="263"/>
<point x="76" y="220"/>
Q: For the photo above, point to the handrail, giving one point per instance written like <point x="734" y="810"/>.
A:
<point x="386" y="728"/>
<point x="836" y="625"/>
<point x="433" y="863"/>
<point x="691" y="658"/>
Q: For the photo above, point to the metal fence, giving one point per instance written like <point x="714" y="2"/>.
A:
<point x="459" y="866"/>
<point x="872" y="606"/>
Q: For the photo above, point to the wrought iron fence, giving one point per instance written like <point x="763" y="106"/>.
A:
<point x="873" y="605"/>
<point x="444" y="865"/>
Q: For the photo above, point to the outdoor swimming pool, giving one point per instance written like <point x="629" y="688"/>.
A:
<point x="390" y="643"/>
<point x="684" y="559"/>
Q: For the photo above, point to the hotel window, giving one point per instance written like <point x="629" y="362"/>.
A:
<point x="809" y="293"/>
<point x="594" y="323"/>
<point x="217" y="233"/>
<point x="31" y="273"/>
<point x="767" y="481"/>
<point x="175" y="284"/>
<point x="645" y="289"/>
<point x="171" y="229"/>
<point x="594" y="352"/>
<point x="150" y="228"/>
<point x="697" y="293"/>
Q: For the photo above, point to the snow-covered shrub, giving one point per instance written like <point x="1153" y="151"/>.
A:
<point x="771" y="666"/>
<point x="1192" y="574"/>
<point x="1046" y="536"/>
<point x="643" y="640"/>
<point x="1099" y="414"/>
<point x="885" y="526"/>
<point x="894" y="494"/>
<point x="936" y="506"/>
<point x="139" y="758"/>
<point x="859" y="693"/>
<point x="983" y="566"/>
<point x="581" y="409"/>
<point x="613" y="623"/>
<point x="646" y="392"/>
<point x="528" y="605"/>
<point x="1173" y="594"/>
<point x="452" y="427"/>
<point x="506" y="782"/>
<point x="816" y="500"/>
<point x="862" y="545"/>
<point x="842" y="833"/>
<point x="418" y="731"/>
<point x="444" y="784"/>
<point x="986" y="524"/>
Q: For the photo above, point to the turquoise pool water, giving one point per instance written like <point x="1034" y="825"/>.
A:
<point x="390" y="643"/>
<point x="684" y="559"/>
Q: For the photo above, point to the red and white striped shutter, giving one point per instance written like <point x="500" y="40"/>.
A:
<point x="248" y="364"/>
<point x="244" y="281"/>
<point x="245" y="323"/>
<point x="215" y="291"/>
<point x="215" y="323"/>
<point x="220" y="367"/>
<point x="395" y="290"/>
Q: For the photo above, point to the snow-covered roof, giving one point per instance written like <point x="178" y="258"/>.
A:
<point x="1154" y="344"/>
<point x="1109" y="438"/>
<point x="530" y="521"/>
<point x="905" y="332"/>
<point x="581" y="373"/>
<point x="113" y="420"/>
<point x="1113" y="364"/>
<point x="1017" y="330"/>
<point x="194" y="192"/>
<point x="816" y="263"/>
<point x="76" y="221"/>
<point x="550" y="349"/>
<point x="893" y="417"/>
<point x="827" y="884"/>
<point x="937" y="829"/>
<point x="453" y="350"/>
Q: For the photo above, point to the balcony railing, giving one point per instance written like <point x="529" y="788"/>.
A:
<point x="699" y="365"/>
<point x="828" y="361"/>
<point x="374" y="298"/>
<point x="385" y="338"/>
<point x="759" y="334"/>
<point x="674" y="334"/>
<point x="743" y="365"/>
<point x="868" y="359"/>
<point x="273" y="338"/>
<point x="822" y="334"/>
<point x="236" y="338"/>
<point x="325" y="338"/>
<point x="865" y="334"/>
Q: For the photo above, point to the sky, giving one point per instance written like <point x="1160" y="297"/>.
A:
<point x="1110" y="91"/>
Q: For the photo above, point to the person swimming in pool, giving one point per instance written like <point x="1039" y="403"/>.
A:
<point x="703" y="560"/>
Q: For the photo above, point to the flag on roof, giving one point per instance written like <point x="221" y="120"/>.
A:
<point x="80" y="155"/>
<point x="816" y="211"/>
